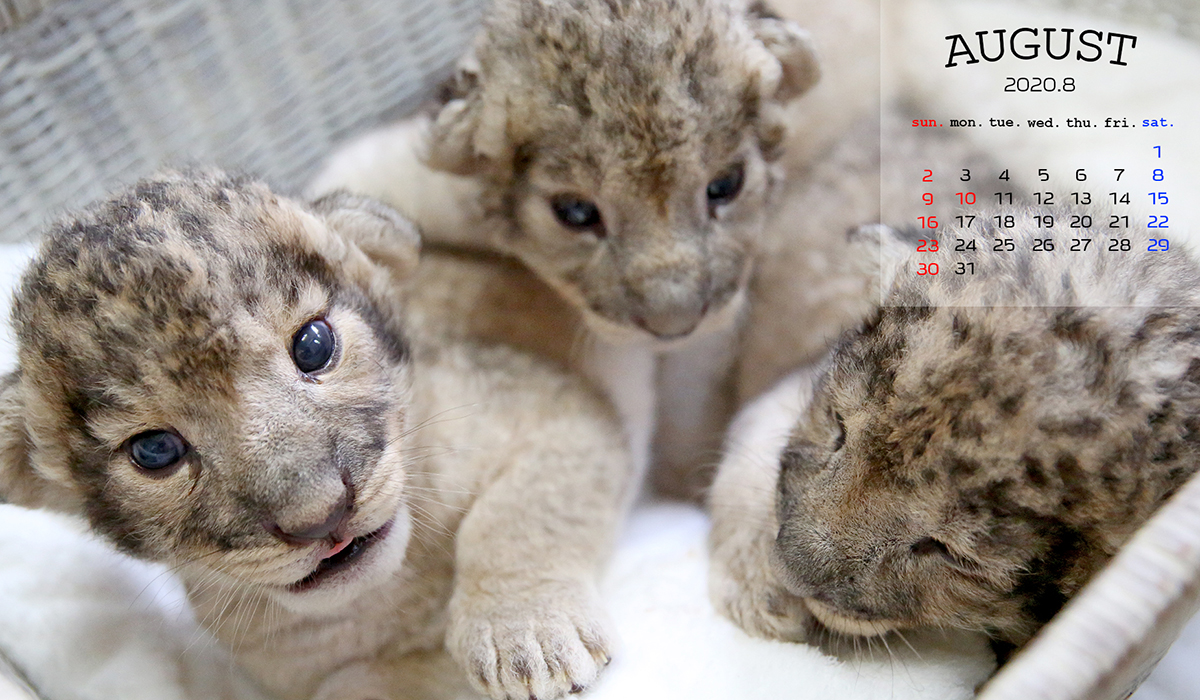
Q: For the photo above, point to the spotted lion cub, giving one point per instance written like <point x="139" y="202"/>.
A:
<point x="220" y="379"/>
<point x="973" y="453"/>
<point x="624" y="152"/>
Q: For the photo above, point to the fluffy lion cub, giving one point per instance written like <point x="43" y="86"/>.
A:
<point x="624" y="152"/>
<point x="974" y="452"/>
<point x="220" y="379"/>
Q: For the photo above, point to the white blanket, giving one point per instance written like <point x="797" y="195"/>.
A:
<point x="85" y="622"/>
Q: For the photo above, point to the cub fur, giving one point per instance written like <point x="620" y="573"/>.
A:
<point x="624" y="152"/>
<point x="975" y="451"/>
<point x="220" y="379"/>
<point x="620" y="150"/>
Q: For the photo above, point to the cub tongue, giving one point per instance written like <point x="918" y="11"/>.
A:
<point x="337" y="548"/>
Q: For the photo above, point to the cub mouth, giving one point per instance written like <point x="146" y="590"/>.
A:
<point x="342" y="559"/>
<point x="840" y="622"/>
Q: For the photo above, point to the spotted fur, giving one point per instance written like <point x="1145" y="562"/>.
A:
<point x="173" y="306"/>
<point x="635" y="105"/>
<point x="983" y="444"/>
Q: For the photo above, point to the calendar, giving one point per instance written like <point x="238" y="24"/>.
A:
<point x="1039" y="132"/>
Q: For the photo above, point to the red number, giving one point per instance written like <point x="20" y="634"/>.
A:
<point x="928" y="221"/>
<point x="928" y="176"/>
<point x="927" y="268"/>
<point x="966" y="197"/>
<point x="927" y="246"/>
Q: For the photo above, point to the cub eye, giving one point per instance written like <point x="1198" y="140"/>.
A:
<point x="840" y="440"/>
<point x="156" y="449"/>
<point x="726" y="186"/>
<point x="576" y="213"/>
<point x="312" y="346"/>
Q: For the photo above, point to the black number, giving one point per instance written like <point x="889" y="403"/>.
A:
<point x="1043" y="244"/>
<point x="1123" y="199"/>
<point x="1006" y="221"/>
<point x="1004" y="175"/>
<point x="1010" y="85"/>
<point x="1080" y="244"/>
<point x="1048" y="196"/>
<point x="1004" y="244"/>
<point x="1044" y="221"/>
<point x="1043" y="174"/>
<point x="1083" y="221"/>
<point x="1085" y="199"/>
<point x="1115" y="222"/>
<point x="1115" y="244"/>
<point x="970" y="218"/>
<point x="1080" y="175"/>
<point x="961" y="245"/>
<point x="966" y="175"/>
<point x="1000" y="196"/>
<point x="962" y="268"/>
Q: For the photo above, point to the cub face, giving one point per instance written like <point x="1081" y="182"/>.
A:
<point x="973" y="467"/>
<point x="873" y="533"/>
<point x="628" y="146"/>
<point x="216" y="379"/>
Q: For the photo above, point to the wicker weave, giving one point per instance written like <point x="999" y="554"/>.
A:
<point x="101" y="92"/>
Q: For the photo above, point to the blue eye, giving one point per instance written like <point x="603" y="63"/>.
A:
<point x="312" y="346"/>
<point x="577" y="213"/>
<point x="726" y="187"/>
<point x="156" y="449"/>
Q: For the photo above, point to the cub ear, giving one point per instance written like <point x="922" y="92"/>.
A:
<point x="470" y="134"/>
<point x="20" y="483"/>
<point x="381" y="233"/>
<point x="791" y="46"/>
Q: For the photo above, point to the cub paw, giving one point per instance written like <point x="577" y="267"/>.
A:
<point x="536" y="644"/>
<point x="759" y="604"/>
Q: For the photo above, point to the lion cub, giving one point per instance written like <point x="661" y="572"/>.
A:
<point x="624" y="152"/>
<point x="220" y="379"/>
<point x="973" y="453"/>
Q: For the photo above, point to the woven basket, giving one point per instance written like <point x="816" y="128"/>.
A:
<point x="100" y="92"/>
<point x="95" y="93"/>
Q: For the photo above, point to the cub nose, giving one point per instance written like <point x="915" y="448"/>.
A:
<point x="329" y="529"/>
